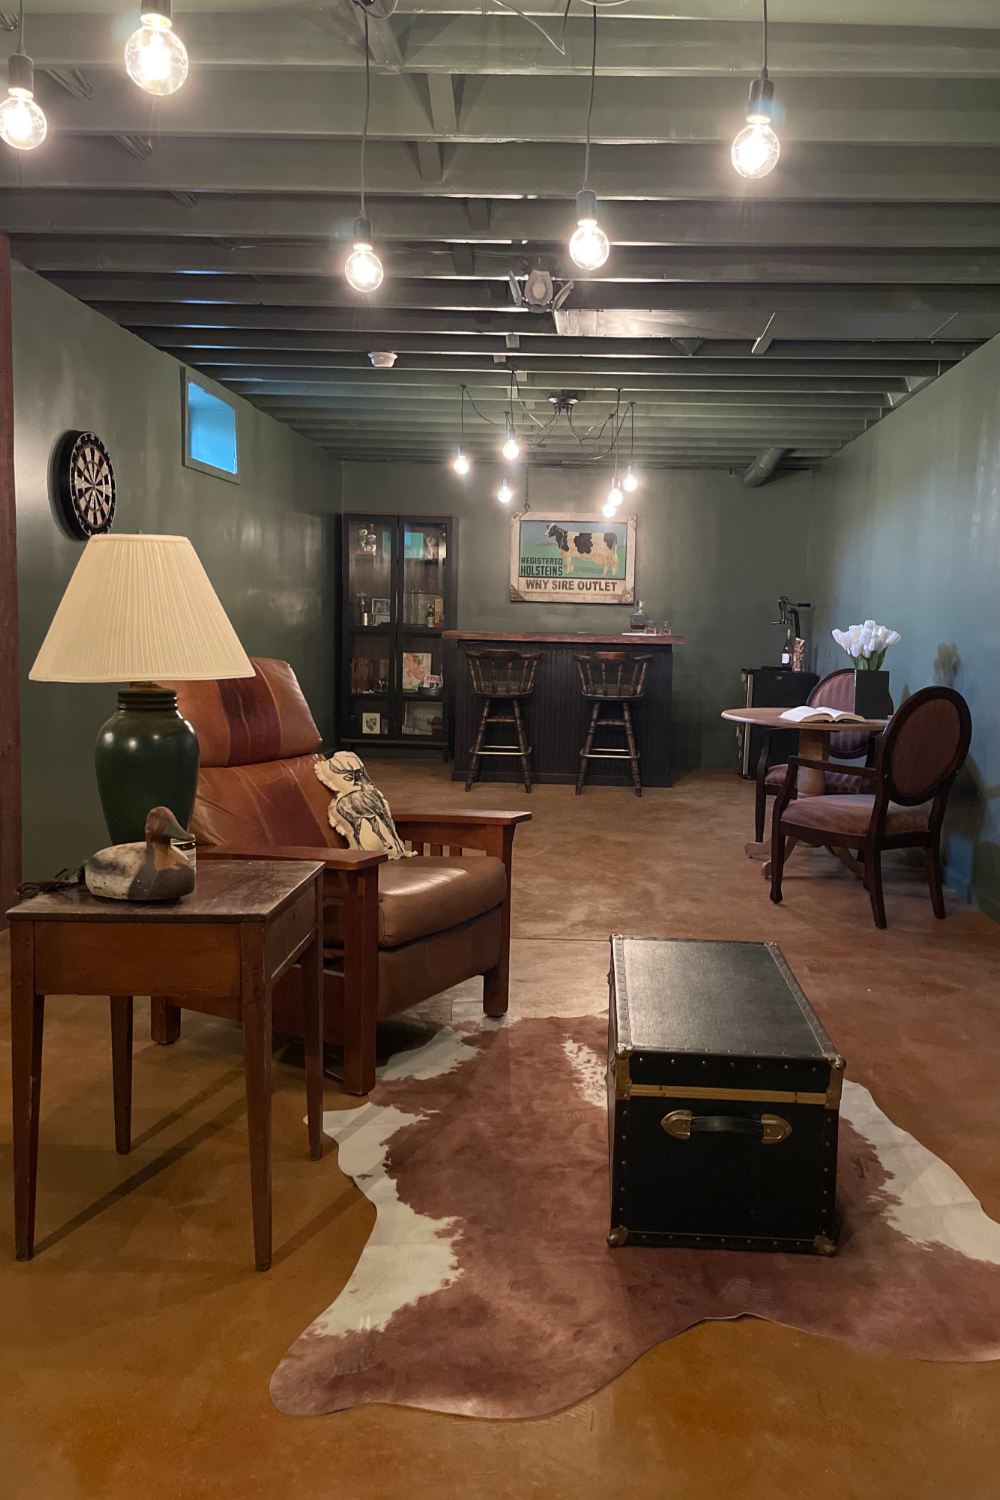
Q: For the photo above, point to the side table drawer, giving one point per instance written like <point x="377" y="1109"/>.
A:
<point x="101" y="958"/>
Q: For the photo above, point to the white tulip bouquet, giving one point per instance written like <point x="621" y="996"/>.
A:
<point x="867" y="644"/>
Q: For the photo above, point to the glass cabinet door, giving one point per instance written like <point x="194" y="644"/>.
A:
<point x="424" y="607"/>
<point x="423" y="572"/>
<point x="368" y="626"/>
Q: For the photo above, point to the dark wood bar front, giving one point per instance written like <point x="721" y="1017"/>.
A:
<point x="557" y="714"/>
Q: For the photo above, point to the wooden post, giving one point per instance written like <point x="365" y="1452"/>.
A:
<point x="10" y="681"/>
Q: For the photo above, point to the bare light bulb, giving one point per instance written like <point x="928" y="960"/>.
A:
<point x="511" y="447"/>
<point x="756" y="149"/>
<point x="155" y="57"/>
<point x="609" y="510"/>
<point x="461" y="464"/>
<point x="614" y="496"/>
<point x="630" y="482"/>
<point x="505" y="494"/>
<point x="22" y="122"/>
<point x="589" y="247"/>
<point x="363" y="269"/>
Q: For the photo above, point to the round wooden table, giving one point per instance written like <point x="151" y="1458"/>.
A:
<point x="814" y="744"/>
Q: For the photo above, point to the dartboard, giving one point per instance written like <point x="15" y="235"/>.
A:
<point x="86" y="485"/>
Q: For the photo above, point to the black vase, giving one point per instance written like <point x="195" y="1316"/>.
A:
<point x="871" y="695"/>
<point x="147" y="756"/>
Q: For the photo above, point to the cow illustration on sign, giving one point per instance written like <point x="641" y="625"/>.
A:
<point x="598" y="547"/>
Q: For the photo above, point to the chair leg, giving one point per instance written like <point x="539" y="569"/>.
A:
<point x="522" y="745"/>
<point x="587" y="746"/>
<point x="873" y="879"/>
<point x="473" y="773"/>
<point x="934" y="879"/>
<point x="760" y="812"/>
<point x="633" y="753"/>
<point x="777" y="864"/>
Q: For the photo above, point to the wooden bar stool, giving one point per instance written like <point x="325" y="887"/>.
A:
<point x="613" y="678"/>
<point x="501" y="676"/>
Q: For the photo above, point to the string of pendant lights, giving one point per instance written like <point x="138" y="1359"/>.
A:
<point x="756" y="149"/>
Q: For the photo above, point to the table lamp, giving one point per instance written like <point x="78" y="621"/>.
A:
<point x="138" y="609"/>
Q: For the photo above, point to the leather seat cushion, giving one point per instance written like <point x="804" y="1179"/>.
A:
<point x="243" y="721"/>
<point x="851" y="814"/>
<point x="839" y="783"/>
<point x="418" y="897"/>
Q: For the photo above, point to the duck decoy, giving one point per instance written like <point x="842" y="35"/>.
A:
<point x="161" y="869"/>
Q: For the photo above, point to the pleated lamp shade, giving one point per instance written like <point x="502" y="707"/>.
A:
<point x="139" y="609"/>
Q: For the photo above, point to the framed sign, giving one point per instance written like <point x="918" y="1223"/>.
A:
<point x="566" y="559"/>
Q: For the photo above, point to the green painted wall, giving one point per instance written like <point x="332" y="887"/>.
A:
<point x="711" y="560"/>
<point x="261" y="541"/>
<point x="910" y="517"/>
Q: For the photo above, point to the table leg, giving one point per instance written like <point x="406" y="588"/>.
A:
<point x="312" y="1025"/>
<point x="255" y="1000"/>
<point x="164" y="1020"/>
<point x="27" y="1015"/>
<point x="814" y="747"/>
<point x="121" y="1070"/>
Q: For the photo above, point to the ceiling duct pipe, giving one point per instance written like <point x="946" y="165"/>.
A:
<point x="763" y="466"/>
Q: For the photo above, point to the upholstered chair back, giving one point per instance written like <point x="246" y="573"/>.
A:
<point x="258" y="744"/>
<point x="836" y="690"/>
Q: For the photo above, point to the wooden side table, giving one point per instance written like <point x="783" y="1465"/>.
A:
<point x="218" y="951"/>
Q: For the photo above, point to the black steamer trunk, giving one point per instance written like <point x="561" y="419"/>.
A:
<point x="723" y="1098"/>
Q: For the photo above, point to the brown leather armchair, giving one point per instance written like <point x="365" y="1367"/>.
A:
<point x="396" y="931"/>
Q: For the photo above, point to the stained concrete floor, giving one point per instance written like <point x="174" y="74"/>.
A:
<point x="136" y="1347"/>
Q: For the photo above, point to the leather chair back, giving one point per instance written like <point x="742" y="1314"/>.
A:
<point x="258" y="744"/>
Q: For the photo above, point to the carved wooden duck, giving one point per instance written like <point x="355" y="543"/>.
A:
<point x="161" y="869"/>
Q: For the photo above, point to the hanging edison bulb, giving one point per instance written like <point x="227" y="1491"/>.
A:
<point x="589" y="247"/>
<point x="22" y="122"/>
<point x="630" y="482"/>
<point x="155" y="57"/>
<point x="363" y="269"/>
<point x="756" y="149"/>
<point x="511" y="447"/>
<point x="461" y="464"/>
<point x="505" y="494"/>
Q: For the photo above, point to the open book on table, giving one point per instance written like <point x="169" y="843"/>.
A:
<point x="807" y="715"/>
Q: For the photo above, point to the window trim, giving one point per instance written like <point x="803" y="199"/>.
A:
<point x="193" y="377"/>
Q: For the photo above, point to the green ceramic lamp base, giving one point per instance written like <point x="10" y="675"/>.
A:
<point x="147" y="756"/>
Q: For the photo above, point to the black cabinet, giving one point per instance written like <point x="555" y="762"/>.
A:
<point x="769" y="687"/>
<point x="396" y="598"/>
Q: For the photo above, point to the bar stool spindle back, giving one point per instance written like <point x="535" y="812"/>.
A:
<point x="611" y="677"/>
<point x="501" y="675"/>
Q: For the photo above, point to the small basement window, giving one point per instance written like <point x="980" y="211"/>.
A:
<point x="210" y="432"/>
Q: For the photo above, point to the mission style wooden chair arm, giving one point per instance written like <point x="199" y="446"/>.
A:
<point x="336" y="859"/>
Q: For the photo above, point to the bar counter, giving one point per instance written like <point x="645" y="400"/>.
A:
<point x="557" y="714"/>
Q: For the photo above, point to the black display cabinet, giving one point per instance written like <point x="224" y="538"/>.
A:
<point x="397" y="596"/>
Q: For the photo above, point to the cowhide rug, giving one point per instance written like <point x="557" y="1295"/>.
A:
<point x="487" y="1288"/>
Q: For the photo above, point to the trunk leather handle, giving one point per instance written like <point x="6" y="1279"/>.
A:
<point x="681" y="1124"/>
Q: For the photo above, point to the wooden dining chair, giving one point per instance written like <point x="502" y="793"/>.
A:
<point x="835" y="690"/>
<point x="921" y="752"/>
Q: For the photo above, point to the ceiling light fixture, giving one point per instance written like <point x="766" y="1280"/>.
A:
<point x="756" y="149"/>
<point x="155" y="57"/>
<point x="460" y="463"/>
<point x="364" y="269"/>
<point x="22" y="122"/>
<point x="589" y="247"/>
<point x="505" y="494"/>
<point x="630" y="482"/>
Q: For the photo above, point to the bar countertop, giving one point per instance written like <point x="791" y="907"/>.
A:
<point x="564" y="640"/>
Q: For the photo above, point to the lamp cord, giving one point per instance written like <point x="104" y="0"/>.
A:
<point x="590" y="106"/>
<point x="20" y="28"/>
<point x="368" y="102"/>
<point x="765" y="39"/>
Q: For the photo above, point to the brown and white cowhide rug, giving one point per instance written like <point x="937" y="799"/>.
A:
<point x="487" y="1288"/>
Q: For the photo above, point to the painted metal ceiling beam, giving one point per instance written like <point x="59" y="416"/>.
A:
<point x="638" y="110"/>
<point x="501" y="43"/>
<point x="63" y="254"/>
<point x="554" y="373"/>
<point x="811" y="297"/>
<point x="809" y="172"/>
<point x="740" y="223"/>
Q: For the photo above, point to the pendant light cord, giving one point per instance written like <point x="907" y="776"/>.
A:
<point x="590" y="106"/>
<point x="764" y="69"/>
<point x="631" y="446"/>
<point x="20" y="28"/>
<point x="368" y="102"/>
<point x="463" y="416"/>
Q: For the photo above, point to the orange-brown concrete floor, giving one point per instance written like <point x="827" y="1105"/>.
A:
<point x="137" y="1346"/>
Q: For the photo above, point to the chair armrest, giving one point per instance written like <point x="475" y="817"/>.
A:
<point x="334" y="859"/>
<point x="461" y="819"/>
<point x="795" y="761"/>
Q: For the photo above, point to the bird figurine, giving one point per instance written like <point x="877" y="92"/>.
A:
<point x="161" y="869"/>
